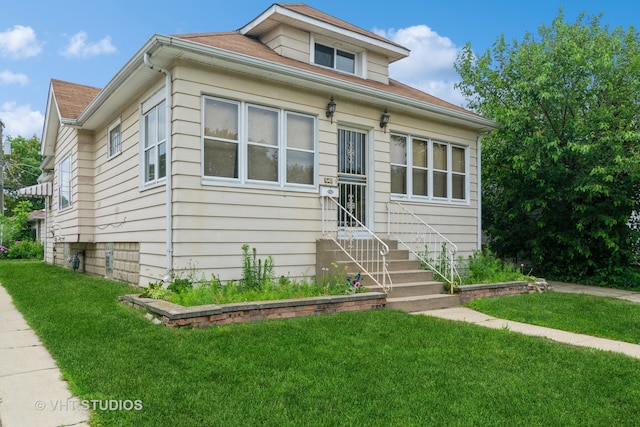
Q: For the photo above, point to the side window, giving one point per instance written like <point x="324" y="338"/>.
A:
<point x="64" y="183"/>
<point x="155" y="143"/>
<point x="398" y="164"/>
<point x="113" y="140"/>
<point x="221" y="143"/>
<point x="257" y="145"/>
<point x="262" y="143"/>
<point x="422" y="169"/>
<point x="459" y="173"/>
<point x="337" y="59"/>
<point x="300" y="154"/>
<point x="440" y="170"/>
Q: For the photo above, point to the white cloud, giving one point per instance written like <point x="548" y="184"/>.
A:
<point x="21" y="120"/>
<point x="19" y="42"/>
<point x="429" y="66"/>
<point x="79" y="48"/>
<point x="9" y="78"/>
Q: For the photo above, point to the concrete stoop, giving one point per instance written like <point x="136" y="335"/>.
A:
<point x="418" y="303"/>
<point x="413" y="288"/>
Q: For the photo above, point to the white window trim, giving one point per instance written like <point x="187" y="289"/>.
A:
<point x="152" y="102"/>
<point x="430" y="197"/>
<point x="67" y="158"/>
<point x="114" y="125"/>
<point x="359" y="59"/>
<point x="243" y="181"/>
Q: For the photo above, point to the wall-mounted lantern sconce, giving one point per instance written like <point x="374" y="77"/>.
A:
<point x="331" y="108"/>
<point x="384" y="120"/>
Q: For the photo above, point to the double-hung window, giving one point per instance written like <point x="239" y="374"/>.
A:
<point x="257" y="145"/>
<point x="64" y="183"/>
<point x="425" y="169"/>
<point x="114" y="144"/>
<point x="337" y="59"/>
<point x="154" y="155"/>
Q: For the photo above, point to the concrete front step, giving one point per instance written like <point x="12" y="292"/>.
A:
<point x="423" y="302"/>
<point x="403" y="264"/>
<point x="413" y="288"/>
<point x="394" y="254"/>
<point x="410" y="276"/>
<point x="399" y="277"/>
<point x="401" y="290"/>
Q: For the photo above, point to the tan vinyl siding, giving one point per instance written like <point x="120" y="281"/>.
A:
<point x="377" y="68"/>
<point x="124" y="213"/>
<point x="211" y="220"/>
<point x="66" y="221"/>
<point x="228" y="219"/>
<point x="85" y="191"/>
<point x="289" y="42"/>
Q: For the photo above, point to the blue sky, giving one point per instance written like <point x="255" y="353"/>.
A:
<point x="88" y="42"/>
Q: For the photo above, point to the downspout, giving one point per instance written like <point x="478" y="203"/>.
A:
<point x="169" y="181"/>
<point x="479" y="149"/>
<point x="45" y="238"/>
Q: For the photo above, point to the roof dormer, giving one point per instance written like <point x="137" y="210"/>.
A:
<point x="303" y="33"/>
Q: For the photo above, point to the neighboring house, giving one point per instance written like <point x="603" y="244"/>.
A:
<point x="37" y="224"/>
<point x="204" y="142"/>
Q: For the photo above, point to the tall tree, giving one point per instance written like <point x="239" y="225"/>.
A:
<point x="22" y="169"/>
<point x="561" y="177"/>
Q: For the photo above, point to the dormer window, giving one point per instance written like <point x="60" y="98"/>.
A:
<point x="335" y="58"/>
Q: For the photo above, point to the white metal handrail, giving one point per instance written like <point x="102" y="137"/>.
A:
<point x="358" y="242"/>
<point x="425" y="242"/>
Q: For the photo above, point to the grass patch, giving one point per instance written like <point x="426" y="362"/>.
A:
<point x="585" y="314"/>
<point x="375" y="368"/>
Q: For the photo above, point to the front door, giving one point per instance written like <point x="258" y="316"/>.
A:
<point x="352" y="177"/>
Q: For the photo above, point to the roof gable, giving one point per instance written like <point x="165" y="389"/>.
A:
<point x="87" y="106"/>
<point x="304" y="17"/>
<point x="244" y="45"/>
<point x="71" y="99"/>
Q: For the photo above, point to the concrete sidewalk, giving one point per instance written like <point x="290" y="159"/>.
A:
<point x="472" y="316"/>
<point x="594" y="290"/>
<point x="32" y="393"/>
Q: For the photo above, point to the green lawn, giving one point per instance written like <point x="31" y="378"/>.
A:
<point x="382" y="368"/>
<point x="585" y="314"/>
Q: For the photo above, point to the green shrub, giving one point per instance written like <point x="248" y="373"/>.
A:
<point x="25" y="249"/>
<point x="255" y="272"/>
<point x="157" y="291"/>
<point x="180" y="285"/>
<point x="485" y="267"/>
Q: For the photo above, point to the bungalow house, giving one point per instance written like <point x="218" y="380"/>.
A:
<point x="280" y="135"/>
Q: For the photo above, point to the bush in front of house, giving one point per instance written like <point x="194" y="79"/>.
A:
<point x="23" y="249"/>
<point x="16" y="237"/>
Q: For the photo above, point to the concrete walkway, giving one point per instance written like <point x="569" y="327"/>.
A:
<point x="32" y="393"/>
<point x="472" y="316"/>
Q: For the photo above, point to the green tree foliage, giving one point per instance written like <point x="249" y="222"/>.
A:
<point x="561" y="177"/>
<point x="22" y="169"/>
<point x="16" y="227"/>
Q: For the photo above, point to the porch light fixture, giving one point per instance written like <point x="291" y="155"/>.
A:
<point x="384" y="120"/>
<point x="331" y="108"/>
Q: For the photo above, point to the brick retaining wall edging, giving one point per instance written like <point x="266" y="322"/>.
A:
<point x="470" y="292"/>
<point x="174" y="315"/>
